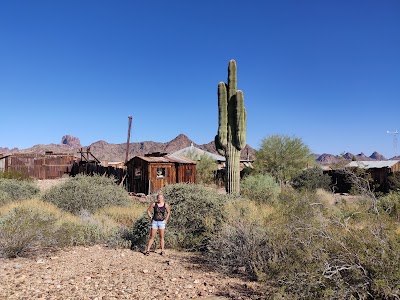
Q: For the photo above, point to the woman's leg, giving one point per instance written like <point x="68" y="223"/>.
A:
<point x="153" y="232"/>
<point x="161" y="232"/>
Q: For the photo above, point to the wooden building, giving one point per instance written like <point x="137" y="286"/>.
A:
<point x="150" y="173"/>
<point x="39" y="166"/>
<point x="379" y="170"/>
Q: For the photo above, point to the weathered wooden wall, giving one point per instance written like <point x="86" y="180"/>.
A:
<point x="39" y="166"/>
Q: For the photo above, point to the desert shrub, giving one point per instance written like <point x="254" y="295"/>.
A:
<point x="196" y="214"/>
<point x="86" y="193"/>
<point x="241" y="244"/>
<point x="306" y="250"/>
<point x="30" y="226"/>
<point x="12" y="174"/>
<point x="394" y="182"/>
<point x="260" y="187"/>
<point x="13" y="189"/>
<point x="24" y="230"/>
<point x="123" y="215"/>
<point x="390" y="204"/>
<point x="312" y="179"/>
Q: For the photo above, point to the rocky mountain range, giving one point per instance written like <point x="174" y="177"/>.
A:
<point x="116" y="152"/>
<point x="330" y="159"/>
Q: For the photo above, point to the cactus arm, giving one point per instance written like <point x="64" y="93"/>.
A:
<point x="222" y="115"/>
<point x="240" y="134"/>
<point x="219" y="146"/>
<point x="232" y="78"/>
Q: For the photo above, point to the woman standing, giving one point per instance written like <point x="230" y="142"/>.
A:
<point x="159" y="219"/>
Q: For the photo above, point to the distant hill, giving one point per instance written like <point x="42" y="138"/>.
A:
<point x="117" y="152"/>
<point x="330" y="159"/>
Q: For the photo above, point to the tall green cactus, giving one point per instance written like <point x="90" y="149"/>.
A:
<point x="231" y="137"/>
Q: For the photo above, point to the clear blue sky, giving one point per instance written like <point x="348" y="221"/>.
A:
<point x="327" y="72"/>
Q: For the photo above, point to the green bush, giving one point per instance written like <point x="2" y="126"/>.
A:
<point x="390" y="204"/>
<point x="12" y="174"/>
<point x="260" y="187"/>
<point x="196" y="214"/>
<point x="13" y="189"/>
<point x="394" y="182"/>
<point x="30" y="226"/>
<point x="312" y="179"/>
<point x="86" y="193"/>
<point x="25" y="230"/>
<point x="308" y="250"/>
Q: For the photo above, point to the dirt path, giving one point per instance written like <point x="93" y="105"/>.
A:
<point x="99" y="272"/>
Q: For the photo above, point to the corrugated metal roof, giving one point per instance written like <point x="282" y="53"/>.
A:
<point x="366" y="164"/>
<point x="166" y="159"/>
<point x="325" y="168"/>
<point x="196" y="151"/>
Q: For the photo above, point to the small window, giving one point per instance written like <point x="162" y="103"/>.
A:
<point x="160" y="172"/>
<point x="188" y="172"/>
<point x="138" y="172"/>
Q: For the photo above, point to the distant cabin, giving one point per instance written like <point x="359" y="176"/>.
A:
<point x="39" y="166"/>
<point x="150" y="173"/>
<point x="379" y="170"/>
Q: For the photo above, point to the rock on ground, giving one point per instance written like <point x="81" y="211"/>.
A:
<point x="98" y="272"/>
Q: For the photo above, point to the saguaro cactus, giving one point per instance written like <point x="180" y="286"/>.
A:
<point x="231" y="137"/>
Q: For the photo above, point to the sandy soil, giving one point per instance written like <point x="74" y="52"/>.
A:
<point x="99" y="272"/>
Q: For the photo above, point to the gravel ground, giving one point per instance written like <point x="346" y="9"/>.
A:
<point x="99" y="272"/>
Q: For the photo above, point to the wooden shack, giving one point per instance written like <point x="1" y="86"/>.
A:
<point x="150" y="173"/>
<point x="379" y="170"/>
<point x="39" y="166"/>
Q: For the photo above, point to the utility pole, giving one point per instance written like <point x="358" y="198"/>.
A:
<point x="129" y="137"/>
<point x="395" y="133"/>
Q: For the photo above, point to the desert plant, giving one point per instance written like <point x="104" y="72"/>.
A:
<point x="390" y="204"/>
<point x="307" y="249"/>
<point x="86" y="193"/>
<point x="394" y="182"/>
<point x="33" y="225"/>
<point x="260" y="187"/>
<point x="13" y="189"/>
<point x="123" y="215"/>
<point x="231" y="137"/>
<point x="205" y="168"/>
<point x="12" y="174"/>
<point x="312" y="179"/>
<point x="24" y="230"/>
<point x="282" y="156"/>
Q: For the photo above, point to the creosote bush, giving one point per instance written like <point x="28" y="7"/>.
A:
<point x="196" y="214"/>
<point x="86" y="193"/>
<point x="14" y="189"/>
<point x="310" y="248"/>
<point x="260" y="187"/>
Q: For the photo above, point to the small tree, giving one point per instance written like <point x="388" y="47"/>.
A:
<point x="205" y="168"/>
<point x="283" y="157"/>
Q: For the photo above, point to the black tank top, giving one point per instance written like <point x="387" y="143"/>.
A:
<point x="159" y="212"/>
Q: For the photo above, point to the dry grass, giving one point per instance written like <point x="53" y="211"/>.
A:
<point x="249" y="210"/>
<point x="124" y="216"/>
